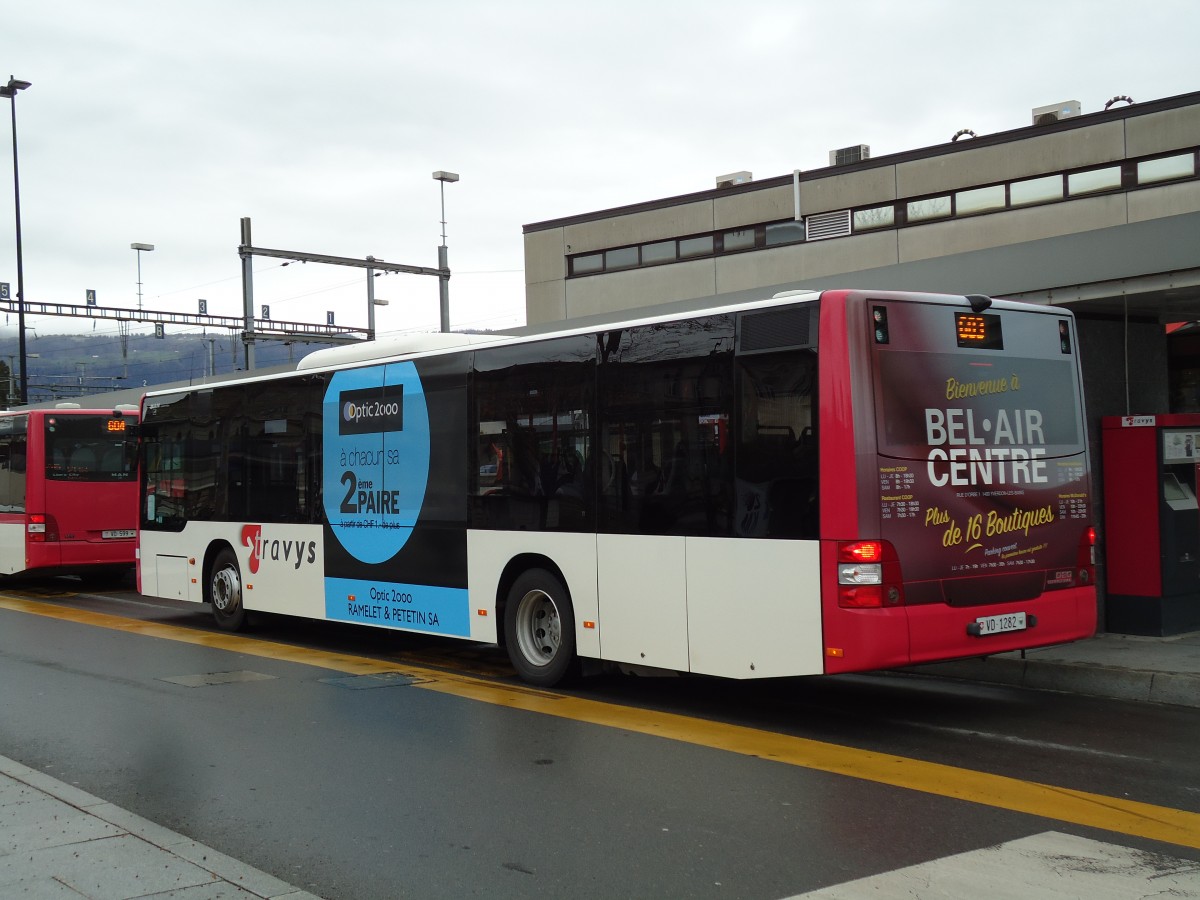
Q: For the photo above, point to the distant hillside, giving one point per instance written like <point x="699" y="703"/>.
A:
<point x="73" y="365"/>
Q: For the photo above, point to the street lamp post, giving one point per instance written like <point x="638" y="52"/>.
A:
<point x="139" y="248"/>
<point x="443" y="253"/>
<point x="10" y="91"/>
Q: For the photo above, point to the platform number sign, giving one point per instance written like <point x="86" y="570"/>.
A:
<point x="204" y="307"/>
<point x="91" y="297"/>
<point x="329" y="317"/>
<point x="4" y="294"/>
<point x="160" y="331"/>
<point x="266" y="312"/>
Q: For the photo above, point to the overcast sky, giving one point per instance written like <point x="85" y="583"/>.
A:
<point x="166" y="122"/>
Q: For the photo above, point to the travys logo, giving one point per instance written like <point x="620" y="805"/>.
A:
<point x="372" y="410"/>
<point x="275" y="549"/>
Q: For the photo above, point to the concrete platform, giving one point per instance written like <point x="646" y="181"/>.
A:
<point x="1123" y="667"/>
<point x="57" y="841"/>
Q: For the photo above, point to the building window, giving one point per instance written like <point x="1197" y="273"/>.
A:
<point x="876" y="217"/>
<point x="789" y="232"/>
<point x="1036" y="190"/>
<point x="697" y="246"/>
<point x="663" y="251"/>
<point x="625" y="258"/>
<point x="1166" y="168"/>
<point x="742" y="239"/>
<point x="1093" y="181"/>
<point x="929" y="208"/>
<point x="979" y="200"/>
<point x="585" y="265"/>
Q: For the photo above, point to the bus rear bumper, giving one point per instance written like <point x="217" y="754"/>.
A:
<point x="871" y="639"/>
<point x="79" y="556"/>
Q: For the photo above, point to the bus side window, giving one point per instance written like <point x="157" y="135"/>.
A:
<point x="777" y="490"/>
<point x="533" y="462"/>
<point x="666" y="399"/>
<point x="12" y="495"/>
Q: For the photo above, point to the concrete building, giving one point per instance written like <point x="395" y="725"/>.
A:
<point x="1099" y="212"/>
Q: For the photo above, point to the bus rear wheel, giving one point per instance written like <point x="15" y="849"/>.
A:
<point x="539" y="629"/>
<point x="225" y="592"/>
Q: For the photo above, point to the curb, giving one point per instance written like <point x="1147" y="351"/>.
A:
<point x="1177" y="689"/>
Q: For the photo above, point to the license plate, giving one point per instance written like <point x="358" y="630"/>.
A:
<point x="997" y="624"/>
<point x="118" y="533"/>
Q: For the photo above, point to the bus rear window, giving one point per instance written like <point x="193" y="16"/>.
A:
<point x="89" y="448"/>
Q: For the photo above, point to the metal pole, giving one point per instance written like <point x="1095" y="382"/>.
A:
<point x="20" y="263"/>
<point x="370" y="301"/>
<point x="139" y="256"/>
<point x="247" y="293"/>
<point x="444" y="286"/>
<point x="443" y="254"/>
<point x="444" y="265"/>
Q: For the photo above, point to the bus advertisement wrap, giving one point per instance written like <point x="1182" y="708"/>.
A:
<point x="376" y="453"/>
<point x="982" y="468"/>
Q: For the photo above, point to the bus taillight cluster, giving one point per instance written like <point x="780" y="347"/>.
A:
<point x="40" y="529"/>
<point x="868" y="575"/>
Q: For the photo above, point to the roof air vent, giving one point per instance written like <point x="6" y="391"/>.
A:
<point x="726" y="181"/>
<point x="1048" y="115"/>
<point x="847" y="155"/>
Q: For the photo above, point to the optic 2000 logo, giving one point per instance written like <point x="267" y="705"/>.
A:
<point x="376" y="447"/>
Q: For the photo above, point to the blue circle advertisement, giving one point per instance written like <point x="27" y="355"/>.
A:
<point x="376" y="458"/>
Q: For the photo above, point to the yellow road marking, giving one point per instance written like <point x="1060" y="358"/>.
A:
<point x="1116" y="814"/>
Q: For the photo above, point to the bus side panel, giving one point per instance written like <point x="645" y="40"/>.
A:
<point x="163" y="571"/>
<point x="643" y="612"/>
<point x="859" y="640"/>
<point x="854" y="639"/>
<point x="280" y="565"/>
<point x="12" y="543"/>
<point x="839" y="477"/>
<point x="753" y="607"/>
<point x="489" y="554"/>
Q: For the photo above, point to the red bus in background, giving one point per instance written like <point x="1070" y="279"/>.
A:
<point x="68" y="491"/>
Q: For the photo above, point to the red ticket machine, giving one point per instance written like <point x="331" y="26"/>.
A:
<point x="1152" y="523"/>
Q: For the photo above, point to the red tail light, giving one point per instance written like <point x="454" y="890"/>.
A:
<point x="868" y="575"/>
<point x="1086" y="563"/>
<point x="40" y="528"/>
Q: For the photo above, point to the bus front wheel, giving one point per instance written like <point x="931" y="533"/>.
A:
<point x="539" y="629"/>
<point x="225" y="592"/>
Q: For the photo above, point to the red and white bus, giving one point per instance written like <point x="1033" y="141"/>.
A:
<point x="815" y="483"/>
<point x="68" y="491"/>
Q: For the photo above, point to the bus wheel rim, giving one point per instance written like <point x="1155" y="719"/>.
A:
<point x="539" y="628"/>
<point x="227" y="591"/>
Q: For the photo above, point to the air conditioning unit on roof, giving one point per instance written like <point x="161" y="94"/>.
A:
<point x="1045" y="115"/>
<point x="724" y="181"/>
<point x="847" y="155"/>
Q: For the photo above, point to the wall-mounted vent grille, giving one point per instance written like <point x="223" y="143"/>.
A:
<point x="778" y="329"/>
<point x="847" y="155"/>
<point x="827" y="225"/>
